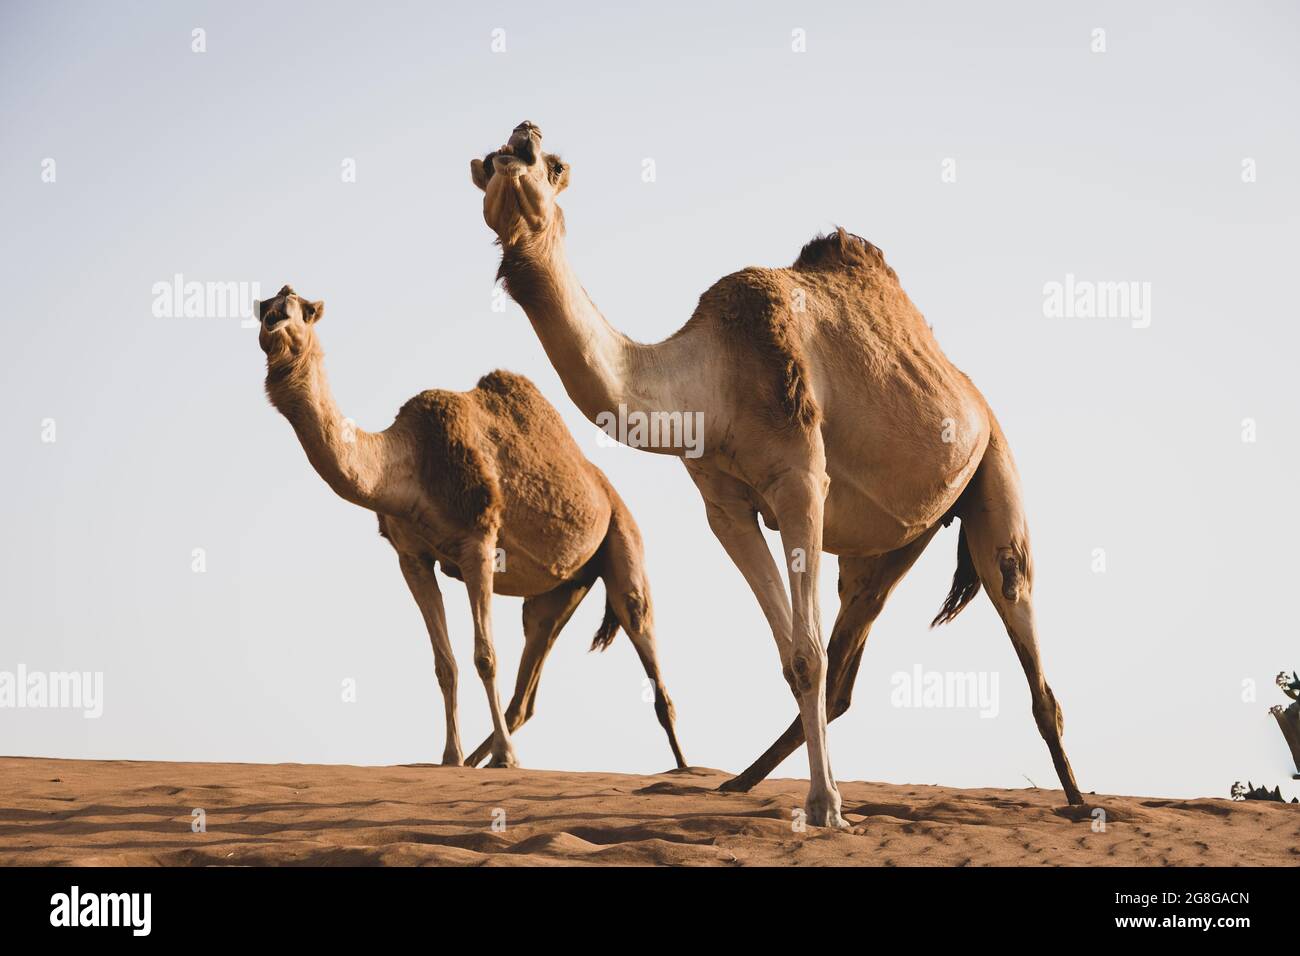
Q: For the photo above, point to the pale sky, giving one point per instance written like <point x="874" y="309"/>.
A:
<point x="1169" y="160"/>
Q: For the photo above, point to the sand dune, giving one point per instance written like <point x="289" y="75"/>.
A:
<point x="138" y="813"/>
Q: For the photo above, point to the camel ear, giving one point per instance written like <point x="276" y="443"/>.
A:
<point x="312" y="311"/>
<point x="285" y="290"/>
<point x="478" y="173"/>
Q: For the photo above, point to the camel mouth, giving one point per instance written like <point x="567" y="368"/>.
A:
<point x="513" y="157"/>
<point x="273" y="321"/>
<point x="523" y="149"/>
<point x="519" y="153"/>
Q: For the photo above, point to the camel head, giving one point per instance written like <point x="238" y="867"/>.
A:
<point x="288" y="324"/>
<point x="520" y="183"/>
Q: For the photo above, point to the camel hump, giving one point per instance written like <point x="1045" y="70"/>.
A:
<point x="517" y="398"/>
<point x="453" y="466"/>
<point x="840" y="250"/>
<point x="754" y="305"/>
<point x="509" y="385"/>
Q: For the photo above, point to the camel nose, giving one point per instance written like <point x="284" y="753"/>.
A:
<point x="527" y="128"/>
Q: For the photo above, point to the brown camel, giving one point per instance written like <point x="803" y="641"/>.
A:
<point x="490" y="484"/>
<point x="826" y="407"/>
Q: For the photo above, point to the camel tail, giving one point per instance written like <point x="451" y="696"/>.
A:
<point x="608" y="630"/>
<point x="965" y="583"/>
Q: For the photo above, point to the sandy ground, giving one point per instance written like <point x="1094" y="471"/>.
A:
<point x="138" y="813"/>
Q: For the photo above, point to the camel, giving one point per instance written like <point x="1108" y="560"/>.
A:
<point x="828" y="409"/>
<point x="490" y="484"/>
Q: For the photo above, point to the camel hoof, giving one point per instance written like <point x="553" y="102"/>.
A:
<point x="737" y="784"/>
<point x="452" y="760"/>
<point x="1084" y="813"/>
<point x="832" y="821"/>
<point x="824" y="811"/>
<point x="504" y="762"/>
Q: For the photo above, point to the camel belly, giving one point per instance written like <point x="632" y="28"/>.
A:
<point x="866" y="514"/>
<point x="523" y="573"/>
<point x="888" y="487"/>
<point x="518" y="571"/>
<point x="856" y="524"/>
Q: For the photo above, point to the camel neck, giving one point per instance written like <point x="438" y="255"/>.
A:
<point x="599" y="365"/>
<point x="353" y="462"/>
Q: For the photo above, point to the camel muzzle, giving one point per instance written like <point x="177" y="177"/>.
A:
<point x="523" y="143"/>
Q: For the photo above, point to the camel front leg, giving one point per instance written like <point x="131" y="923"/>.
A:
<point x="424" y="588"/>
<point x="799" y="501"/>
<point x="865" y="584"/>
<point x="477" y="571"/>
<point x="733" y="522"/>
<point x="544" y="617"/>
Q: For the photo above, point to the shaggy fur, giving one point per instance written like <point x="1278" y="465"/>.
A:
<point x="841" y="250"/>
<point x="754" y="307"/>
<point x="453" y="466"/>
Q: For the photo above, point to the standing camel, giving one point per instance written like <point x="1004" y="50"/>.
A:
<point x="828" y="409"/>
<point x="490" y="484"/>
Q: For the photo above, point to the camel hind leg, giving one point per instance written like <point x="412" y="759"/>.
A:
<point x="627" y="596"/>
<point x="997" y="536"/>
<point x="544" y="617"/>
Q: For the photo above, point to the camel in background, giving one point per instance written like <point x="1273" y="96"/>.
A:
<point x="490" y="484"/>
<point x="828" y="409"/>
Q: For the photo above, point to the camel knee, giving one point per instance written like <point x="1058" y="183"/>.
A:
<point x="1060" y="714"/>
<point x="1047" y="713"/>
<point x="632" y="607"/>
<point x="788" y="673"/>
<point x="808" y="667"/>
<point x="446" y="672"/>
<point x="664" y="708"/>
<point x="485" y="662"/>
<point x="1015" y="580"/>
